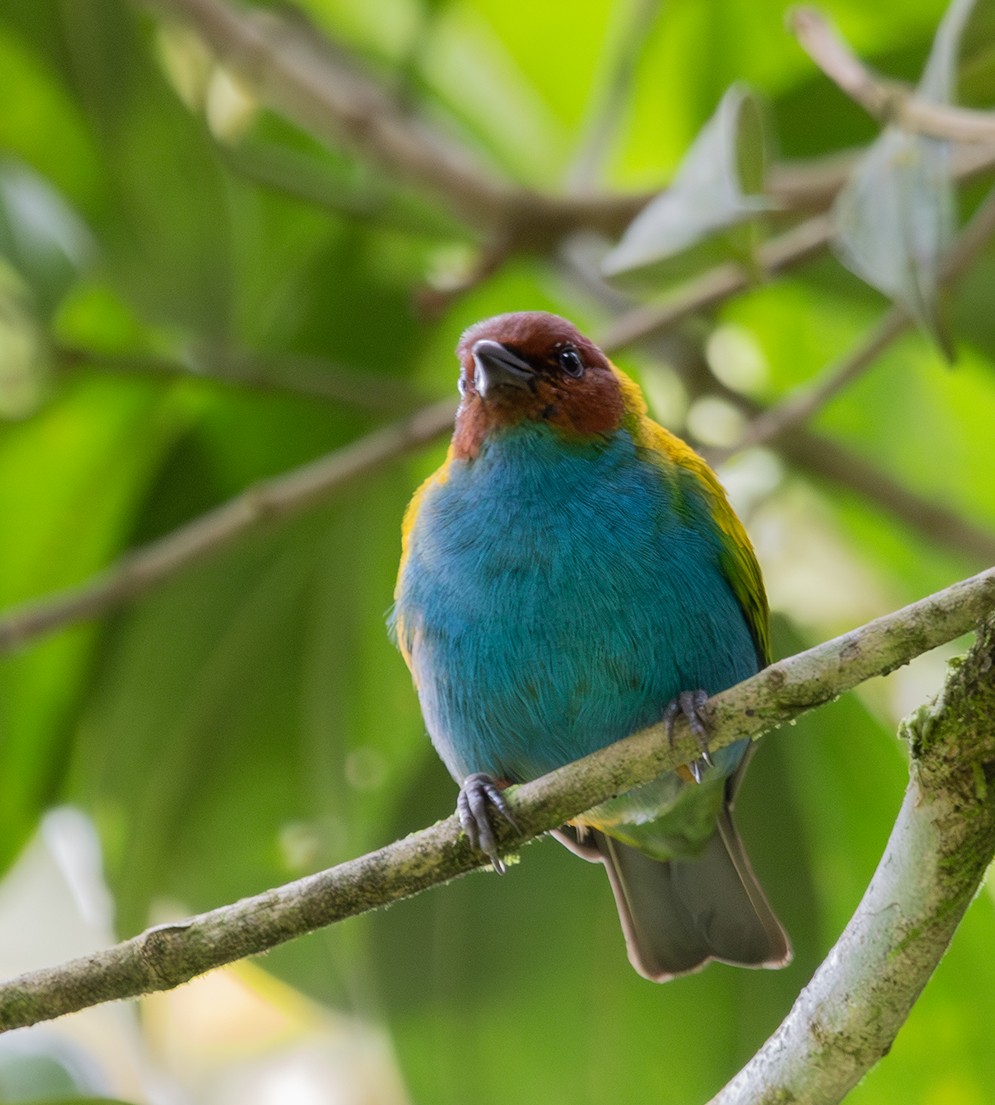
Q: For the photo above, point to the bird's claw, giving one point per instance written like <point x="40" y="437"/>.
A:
<point x="690" y="704"/>
<point x="478" y="795"/>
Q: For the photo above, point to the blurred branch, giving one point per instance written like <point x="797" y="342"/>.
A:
<point x="828" y="459"/>
<point x="305" y="79"/>
<point x="168" y="955"/>
<point x="777" y="255"/>
<point x="293" y="374"/>
<point x="808" y="400"/>
<point x="846" y="1018"/>
<point x="886" y="101"/>
<point x="325" y="92"/>
<point x="719" y="284"/>
<point x="811" y="184"/>
<point x="805" y="402"/>
<point x="367" y="200"/>
<point x="268" y="501"/>
<point x="939" y="525"/>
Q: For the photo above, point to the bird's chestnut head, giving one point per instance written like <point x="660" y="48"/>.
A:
<point x="531" y="366"/>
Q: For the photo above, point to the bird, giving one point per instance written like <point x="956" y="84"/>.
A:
<point x="573" y="573"/>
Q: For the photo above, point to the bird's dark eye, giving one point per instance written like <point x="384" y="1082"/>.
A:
<point x="569" y="360"/>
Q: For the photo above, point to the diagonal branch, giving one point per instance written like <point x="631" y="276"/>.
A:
<point x="323" y="91"/>
<point x="828" y="459"/>
<point x="845" y="1020"/>
<point x="289" y="373"/>
<point x="888" y="102"/>
<point x="800" y="406"/>
<point x="714" y="286"/>
<point x="317" y="87"/>
<point x="311" y="83"/>
<point x="278" y="498"/>
<point x="933" y="522"/>
<point x="168" y="955"/>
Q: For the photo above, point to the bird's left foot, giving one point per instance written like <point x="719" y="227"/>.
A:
<point x="689" y="704"/>
<point x="478" y="795"/>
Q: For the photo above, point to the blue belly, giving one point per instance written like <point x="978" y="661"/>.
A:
<point x="555" y="600"/>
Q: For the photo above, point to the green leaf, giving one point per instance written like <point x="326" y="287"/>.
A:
<point x="718" y="186"/>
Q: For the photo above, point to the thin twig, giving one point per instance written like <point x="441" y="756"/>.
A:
<point x="292" y="374"/>
<point x="828" y="459"/>
<point x="808" y="400"/>
<point x="887" y="102"/>
<point x="719" y="284"/>
<point x="168" y="955"/>
<point x="282" y="497"/>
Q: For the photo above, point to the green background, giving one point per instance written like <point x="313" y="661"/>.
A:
<point x="247" y="721"/>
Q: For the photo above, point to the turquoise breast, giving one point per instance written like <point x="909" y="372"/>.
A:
<point x="555" y="599"/>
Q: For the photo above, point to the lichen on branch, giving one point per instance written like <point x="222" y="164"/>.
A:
<point x="943" y="840"/>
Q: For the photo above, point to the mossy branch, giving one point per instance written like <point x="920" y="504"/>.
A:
<point x="167" y="955"/>
<point x="845" y="1020"/>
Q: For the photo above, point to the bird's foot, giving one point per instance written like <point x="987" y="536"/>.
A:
<point x="478" y="796"/>
<point x="689" y="704"/>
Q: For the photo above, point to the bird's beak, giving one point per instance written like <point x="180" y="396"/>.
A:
<point x="495" y="366"/>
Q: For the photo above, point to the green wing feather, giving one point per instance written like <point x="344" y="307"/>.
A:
<point x="686" y="473"/>
<point x="738" y="560"/>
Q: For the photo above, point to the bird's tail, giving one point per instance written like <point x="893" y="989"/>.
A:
<point x="680" y="914"/>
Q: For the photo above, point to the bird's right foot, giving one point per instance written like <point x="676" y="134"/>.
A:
<point x="689" y="704"/>
<point x="479" y="798"/>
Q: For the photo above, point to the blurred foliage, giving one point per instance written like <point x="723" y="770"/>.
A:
<point x="247" y="721"/>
